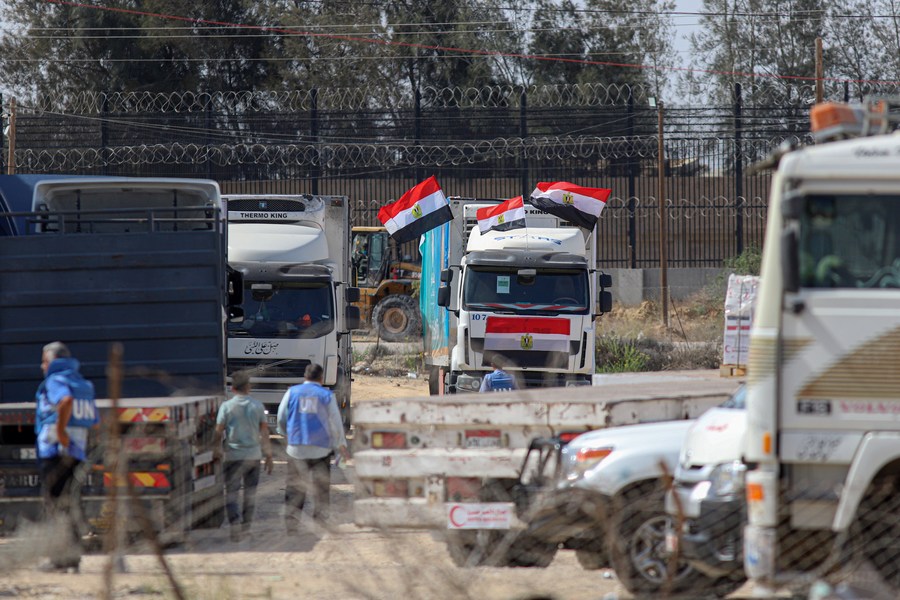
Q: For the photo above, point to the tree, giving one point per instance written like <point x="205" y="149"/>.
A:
<point x="65" y="50"/>
<point x="607" y="33"/>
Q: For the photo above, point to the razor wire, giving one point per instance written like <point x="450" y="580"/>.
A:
<point x="342" y="156"/>
<point x="759" y="93"/>
<point x="356" y="98"/>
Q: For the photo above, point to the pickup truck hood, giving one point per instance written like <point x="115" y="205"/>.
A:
<point x="716" y="437"/>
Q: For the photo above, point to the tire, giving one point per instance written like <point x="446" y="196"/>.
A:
<point x="874" y="536"/>
<point x="637" y="550"/>
<point x="396" y="318"/>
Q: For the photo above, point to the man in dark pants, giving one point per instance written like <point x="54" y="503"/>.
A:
<point x="65" y="413"/>
<point x="242" y="422"/>
<point x="309" y="418"/>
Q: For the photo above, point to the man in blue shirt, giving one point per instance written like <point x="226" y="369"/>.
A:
<point x="498" y="380"/>
<point x="242" y="422"/>
<point x="310" y="420"/>
<point x="66" y="411"/>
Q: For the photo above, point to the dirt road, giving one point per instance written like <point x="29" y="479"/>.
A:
<point x="340" y="561"/>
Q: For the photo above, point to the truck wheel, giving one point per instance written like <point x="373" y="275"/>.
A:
<point x="637" y="552"/>
<point x="396" y="318"/>
<point x="875" y="535"/>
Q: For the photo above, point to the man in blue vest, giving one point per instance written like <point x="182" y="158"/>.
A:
<point x="66" y="411"/>
<point x="498" y="380"/>
<point x="309" y="418"/>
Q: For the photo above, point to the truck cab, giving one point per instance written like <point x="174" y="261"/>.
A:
<point x="823" y="447"/>
<point x="528" y="296"/>
<point x="293" y="254"/>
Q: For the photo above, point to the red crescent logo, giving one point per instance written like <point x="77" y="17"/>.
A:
<point x="452" y="518"/>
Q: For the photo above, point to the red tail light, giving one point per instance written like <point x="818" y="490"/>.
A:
<point x="389" y="440"/>
<point x="390" y="488"/>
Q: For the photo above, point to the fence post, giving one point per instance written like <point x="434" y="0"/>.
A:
<point x="417" y="130"/>
<point x="738" y="171"/>
<point x="314" y="137"/>
<point x="523" y="133"/>
<point x="104" y="134"/>
<point x="207" y="122"/>
<point x="3" y="121"/>
<point x="632" y="175"/>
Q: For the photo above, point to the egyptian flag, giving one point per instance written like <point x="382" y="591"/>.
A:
<point x="545" y="334"/>
<point x="502" y="217"/>
<point x="421" y="209"/>
<point x="580" y="205"/>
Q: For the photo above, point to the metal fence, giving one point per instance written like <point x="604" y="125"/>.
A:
<point x="494" y="142"/>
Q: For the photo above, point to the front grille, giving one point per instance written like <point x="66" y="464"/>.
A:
<point x="268" y="368"/>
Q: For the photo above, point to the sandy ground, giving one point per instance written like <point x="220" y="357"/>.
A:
<point x="340" y="561"/>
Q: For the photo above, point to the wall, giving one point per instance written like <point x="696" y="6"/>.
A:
<point x="633" y="286"/>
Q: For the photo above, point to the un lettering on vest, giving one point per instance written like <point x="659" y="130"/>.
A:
<point x="308" y="404"/>
<point x="84" y="412"/>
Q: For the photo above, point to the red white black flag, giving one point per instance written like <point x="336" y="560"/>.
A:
<point x="580" y="205"/>
<point x="502" y="217"/>
<point x="421" y="209"/>
<point x="547" y="334"/>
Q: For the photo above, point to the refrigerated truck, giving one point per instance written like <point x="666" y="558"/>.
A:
<point x="293" y="252"/>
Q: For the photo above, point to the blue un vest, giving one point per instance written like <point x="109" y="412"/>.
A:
<point x="63" y="379"/>
<point x="307" y="415"/>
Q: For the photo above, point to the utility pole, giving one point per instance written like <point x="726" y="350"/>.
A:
<point x="820" y="72"/>
<point x="11" y="134"/>
<point x="663" y="218"/>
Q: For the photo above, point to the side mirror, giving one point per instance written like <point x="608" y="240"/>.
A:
<point x="604" y="281"/>
<point x="351" y="294"/>
<point x="790" y="260"/>
<point x="351" y="314"/>
<point x="446" y="276"/>
<point x="235" y="313"/>
<point x="443" y="297"/>
<point x="235" y="283"/>
<point x="792" y="206"/>
<point x="604" y="302"/>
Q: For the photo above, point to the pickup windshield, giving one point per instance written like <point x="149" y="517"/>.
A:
<point x="285" y="310"/>
<point x="850" y="241"/>
<point x="526" y="290"/>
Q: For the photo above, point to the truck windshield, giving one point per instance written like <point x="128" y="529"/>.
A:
<point x="515" y="290"/>
<point x="287" y="310"/>
<point x="850" y="241"/>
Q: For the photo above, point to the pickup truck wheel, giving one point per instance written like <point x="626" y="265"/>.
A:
<point x="396" y="318"/>
<point x="638" y="553"/>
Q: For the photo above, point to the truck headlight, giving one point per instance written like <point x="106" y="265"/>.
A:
<point x="727" y="479"/>
<point x="583" y="460"/>
<point x="468" y="383"/>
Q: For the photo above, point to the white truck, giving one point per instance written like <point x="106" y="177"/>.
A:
<point x="529" y="295"/>
<point x="823" y="397"/>
<point x="450" y="463"/>
<point x="294" y="255"/>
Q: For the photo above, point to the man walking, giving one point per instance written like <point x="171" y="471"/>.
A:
<point x="242" y="421"/>
<point x="497" y="380"/>
<point x="65" y="413"/>
<point x="309" y="418"/>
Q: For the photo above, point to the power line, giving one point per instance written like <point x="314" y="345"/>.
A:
<point x="472" y="52"/>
